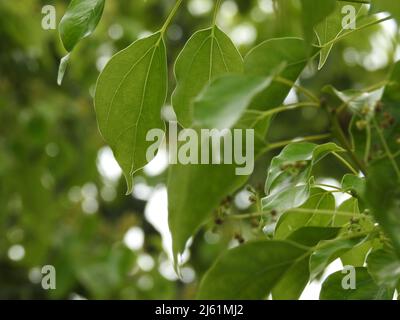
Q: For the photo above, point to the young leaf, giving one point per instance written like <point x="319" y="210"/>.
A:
<point x="313" y="12"/>
<point x="225" y="100"/>
<point x="366" y="288"/>
<point x="208" y="54"/>
<point x="130" y="93"/>
<point x="78" y="22"/>
<point x="289" y="174"/>
<point x="249" y="271"/>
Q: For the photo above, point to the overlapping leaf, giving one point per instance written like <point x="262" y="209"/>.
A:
<point x="287" y="184"/>
<point x="189" y="183"/>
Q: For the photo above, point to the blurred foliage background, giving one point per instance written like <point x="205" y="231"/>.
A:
<point x="62" y="199"/>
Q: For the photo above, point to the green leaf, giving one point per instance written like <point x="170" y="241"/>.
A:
<point x="332" y="27"/>
<point x="366" y="288"/>
<point x="291" y="286"/>
<point x="291" y="221"/>
<point x="208" y="54"/>
<point x="289" y="174"/>
<point x="130" y="93"/>
<point x="249" y="271"/>
<point x="225" y="100"/>
<point x="313" y="12"/>
<point x="267" y="58"/>
<point x="356" y="256"/>
<point x="384" y="267"/>
<point x="79" y="22"/>
<point x="329" y="251"/>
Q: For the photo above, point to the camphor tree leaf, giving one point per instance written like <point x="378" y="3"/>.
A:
<point x="292" y="284"/>
<point x="130" y="93"/>
<point x="250" y="271"/>
<point x="291" y="221"/>
<point x="329" y="251"/>
<point x="384" y="267"/>
<point x="313" y="12"/>
<point x="289" y="174"/>
<point x="336" y="24"/>
<point x="78" y="22"/>
<point x="188" y="183"/>
<point x="267" y="58"/>
<point x="208" y="54"/>
<point x="366" y="288"/>
<point x="224" y="101"/>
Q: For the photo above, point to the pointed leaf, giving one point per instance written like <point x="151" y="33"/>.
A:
<point x="208" y="54"/>
<point x="130" y="93"/>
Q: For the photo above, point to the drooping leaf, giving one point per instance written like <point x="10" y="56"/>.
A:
<point x="79" y="22"/>
<point x="130" y="93"/>
<point x="384" y="267"/>
<point x="366" y="288"/>
<point x="208" y="54"/>
<point x="224" y="101"/>
<point x="249" y="271"/>
<point x="289" y="174"/>
<point x="313" y="12"/>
